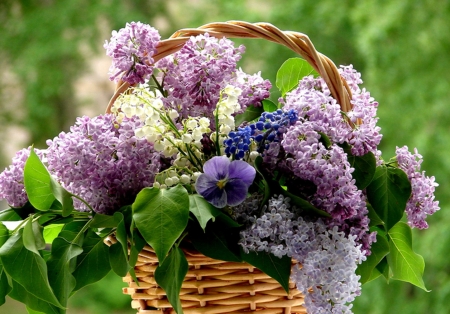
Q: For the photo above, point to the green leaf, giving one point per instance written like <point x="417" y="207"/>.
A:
<point x="30" y="311"/>
<point x="405" y="264"/>
<point x="33" y="303"/>
<point x="269" y="106"/>
<point x="365" y="167"/>
<point x="265" y="183"/>
<point x="161" y="215"/>
<point x="59" y="268"/>
<point x="4" y="286"/>
<point x="93" y="263"/>
<point x="63" y="196"/>
<point x="103" y="221"/>
<point x="137" y="244"/>
<point x="218" y="240"/>
<point x="250" y="114"/>
<point x="118" y="252"/>
<point x="33" y="238"/>
<point x="291" y="72"/>
<point x="37" y="183"/>
<point x="325" y="140"/>
<point x="367" y="270"/>
<point x="277" y="268"/>
<point x="388" y="193"/>
<point x="301" y="203"/>
<point x="51" y="232"/>
<point x="374" y="218"/>
<point x="170" y="276"/>
<point x="9" y="215"/>
<point x="202" y="210"/>
<point x="28" y="269"/>
<point x="4" y="234"/>
<point x="383" y="269"/>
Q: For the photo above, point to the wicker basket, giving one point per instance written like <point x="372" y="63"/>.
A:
<point x="213" y="286"/>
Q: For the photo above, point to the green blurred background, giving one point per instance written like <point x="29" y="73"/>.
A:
<point x="53" y="69"/>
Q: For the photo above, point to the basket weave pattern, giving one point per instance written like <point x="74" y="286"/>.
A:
<point x="213" y="286"/>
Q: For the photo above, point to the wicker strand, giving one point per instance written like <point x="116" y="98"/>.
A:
<point x="297" y="42"/>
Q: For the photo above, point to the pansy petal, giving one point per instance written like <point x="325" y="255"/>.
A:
<point x="236" y="190"/>
<point x="217" y="167"/>
<point x="239" y="169"/>
<point x="207" y="187"/>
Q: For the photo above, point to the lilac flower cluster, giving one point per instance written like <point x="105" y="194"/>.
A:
<point x="102" y="162"/>
<point x="422" y="201"/>
<point x="131" y="50"/>
<point x="12" y="187"/>
<point x="328" y="257"/>
<point x="328" y="168"/>
<point x="313" y="102"/>
<point x="195" y="75"/>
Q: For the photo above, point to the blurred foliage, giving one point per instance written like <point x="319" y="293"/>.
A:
<point x="400" y="46"/>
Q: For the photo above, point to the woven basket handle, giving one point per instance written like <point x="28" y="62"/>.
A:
<point x="297" y="42"/>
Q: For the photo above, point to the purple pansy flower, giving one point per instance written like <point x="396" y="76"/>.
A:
<point x="225" y="182"/>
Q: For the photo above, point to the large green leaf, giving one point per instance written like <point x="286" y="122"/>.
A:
<point x="291" y="72"/>
<point x="37" y="183"/>
<point x="59" y="268"/>
<point x="93" y="263"/>
<point x="218" y="240"/>
<point x="388" y="193"/>
<point x="4" y="286"/>
<point x="63" y="196"/>
<point x="4" y="234"/>
<point x="367" y="270"/>
<point x="37" y="305"/>
<point x="118" y="252"/>
<point x="28" y="269"/>
<point x="170" y="276"/>
<point x="277" y="268"/>
<point x="9" y="215"/>
<point x="365" y="167"/>
<point x="103" y="221"/>
<point x="202" y="210"/>
<point x="405" y="264"/>
<point x="51" y="232"/>
<point x="161" y="215"/>
<point x="33" y="238"/>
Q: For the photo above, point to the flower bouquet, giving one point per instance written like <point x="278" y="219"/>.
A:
<point x="193" y="162"/>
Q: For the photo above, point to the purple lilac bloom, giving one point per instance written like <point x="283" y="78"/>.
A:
<point x="224" y="182"/>
<point x="330" y="171"/>
<point x="131" y="50"/>
<point x="328" y="257"/>
<point x="313" y="101"/>
<point x="103" y="162"/>
<point x="12" y="187"/>
<point x="421" y="202"/>
<point x="195" y="75"/>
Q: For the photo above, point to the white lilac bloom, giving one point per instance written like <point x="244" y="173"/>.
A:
<point x="131" y="49"/>
<point x="224" y="182"/>
<point x="421" y="203"/>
